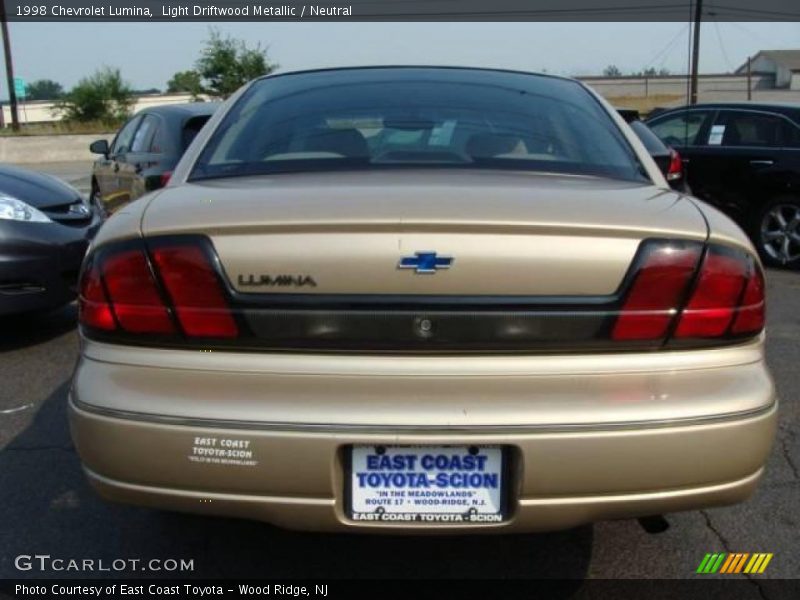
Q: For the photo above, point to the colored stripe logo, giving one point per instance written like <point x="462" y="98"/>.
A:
<point x="738" y="562"/>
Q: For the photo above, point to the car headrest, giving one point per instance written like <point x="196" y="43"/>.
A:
<point x="347" y="142"/>
<point x="486" y="145"/>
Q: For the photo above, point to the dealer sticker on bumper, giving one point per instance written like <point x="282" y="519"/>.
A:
<point x="436" y="484"/>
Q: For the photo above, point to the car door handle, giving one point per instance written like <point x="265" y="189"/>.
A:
<point x="762" y="163"/>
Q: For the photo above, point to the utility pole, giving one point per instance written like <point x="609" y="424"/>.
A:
<point x="698" y="14"/>
<point x="749" y="82"/>
<point x="12" y="92"/>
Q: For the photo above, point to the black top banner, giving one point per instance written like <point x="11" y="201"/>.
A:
<point x="400" y="10"/>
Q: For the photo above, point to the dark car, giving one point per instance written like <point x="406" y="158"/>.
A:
<point x="667" y="158"/>
<point x="744" y="158"/>
<point x="144" y="152"/>
<point x="45" y="227"/>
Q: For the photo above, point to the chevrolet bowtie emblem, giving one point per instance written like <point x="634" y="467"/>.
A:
<point x="425" y="262"/>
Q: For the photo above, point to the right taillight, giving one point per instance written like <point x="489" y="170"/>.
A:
<point x="751" y="315"/>
<point x="680" y="292"/>
<point x="176" y="291"/>
<point x="675" y="170"/>
<point x="728" y="298"/>
<point x="657" y="289"/>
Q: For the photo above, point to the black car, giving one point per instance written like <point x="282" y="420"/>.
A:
<point x="45" y="227"/>
<point x="744" y="158"/>
<point x="667" y="159"/>
<point x="144" y="152"/>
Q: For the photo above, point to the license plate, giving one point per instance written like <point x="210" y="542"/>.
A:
<point x="427" y="484"/>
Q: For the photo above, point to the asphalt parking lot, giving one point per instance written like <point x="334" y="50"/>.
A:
<point x="47" y="507"/>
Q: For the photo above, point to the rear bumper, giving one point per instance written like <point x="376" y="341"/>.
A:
<point x="326" y="514"/>
<point x="640" y="461"/>
<point x="39" y="264"/>
<point x="559" y="479"/>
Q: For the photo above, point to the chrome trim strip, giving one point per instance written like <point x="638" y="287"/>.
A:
<point x="524" y="502"/>
<point x="326" y="428"/>
<point x="670" y="493"/>
<point x="420" y="365"/>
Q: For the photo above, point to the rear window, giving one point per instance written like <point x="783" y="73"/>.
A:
<point x="443" y="119"/>
<point x="648" y="138"/>
<point x="191" y="128"/>
<point x="680" y="129"/>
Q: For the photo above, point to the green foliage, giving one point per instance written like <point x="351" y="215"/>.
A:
<point x="43" y="89"/>
<point x="614" y="71"/>
<point x="59" y="128"/>
<point x="226" y="64"/>
<point x="651" y="72"/>
<point x="185" y="81"/>
<point x="102" y="97"/>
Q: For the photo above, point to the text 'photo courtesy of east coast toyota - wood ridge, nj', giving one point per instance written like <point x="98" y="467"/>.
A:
<point x="400" y="299"/>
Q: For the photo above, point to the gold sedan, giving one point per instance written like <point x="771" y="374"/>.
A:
<point x="421" y="300"/>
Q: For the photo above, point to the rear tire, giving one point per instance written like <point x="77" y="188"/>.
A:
<point x="776" y="232"/>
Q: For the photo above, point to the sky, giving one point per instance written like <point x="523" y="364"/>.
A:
<point x="148" y="54"/>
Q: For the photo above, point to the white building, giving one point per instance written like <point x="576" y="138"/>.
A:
<point x="783" y="64"/>
<point x="44" y="111"/>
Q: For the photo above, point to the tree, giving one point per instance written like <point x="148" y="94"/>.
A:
<point x="185" y="81"/>
<point x="612" y="71"/>
<point x="651" y="72"/>
<point x="43" y="89"/>
<point x="226" y="64"/>
<point x="103" y="96"/>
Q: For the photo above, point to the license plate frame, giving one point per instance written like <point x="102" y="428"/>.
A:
<point x="431" y="516"/>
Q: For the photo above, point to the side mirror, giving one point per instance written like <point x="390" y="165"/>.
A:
<point x="99" y="147"/>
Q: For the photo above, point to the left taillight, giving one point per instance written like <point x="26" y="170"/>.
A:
<point x="95" y="310"/>
<point x="195" y="291"/>
<point x="133" y="293"/>
<point x="170" y="289"/>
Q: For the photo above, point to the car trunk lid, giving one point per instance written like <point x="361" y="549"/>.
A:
<point x="373" y="233"/>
